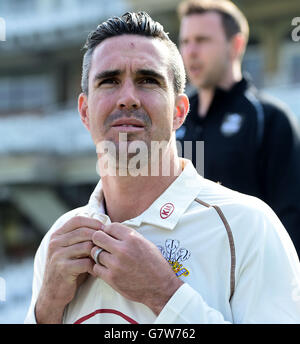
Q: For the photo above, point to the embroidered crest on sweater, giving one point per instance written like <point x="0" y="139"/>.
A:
<point x="175" y="255"/>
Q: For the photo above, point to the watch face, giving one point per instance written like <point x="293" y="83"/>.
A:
<point x="232" y="123"/>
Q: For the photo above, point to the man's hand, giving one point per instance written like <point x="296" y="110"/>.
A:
<point x="134" y="266"/>
<point x="68" y="265"/>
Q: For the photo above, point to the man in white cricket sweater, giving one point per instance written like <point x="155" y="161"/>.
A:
<point x="150" y="246"/>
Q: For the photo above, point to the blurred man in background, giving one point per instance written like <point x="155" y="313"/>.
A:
<point x="251" y="143"/>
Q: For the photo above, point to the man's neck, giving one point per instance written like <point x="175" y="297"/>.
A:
<point x="206" y="95"/>
<point x="129" y="196"/>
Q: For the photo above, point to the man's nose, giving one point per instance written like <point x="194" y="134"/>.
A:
<point x="128" y="97"/>
<point x="191" y="50"/>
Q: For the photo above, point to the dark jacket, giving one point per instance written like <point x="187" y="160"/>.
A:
<point x="252" y="145"/>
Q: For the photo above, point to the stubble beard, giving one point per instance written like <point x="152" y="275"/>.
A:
<point x="132" y="152"/>
<point x="132" y="156"/>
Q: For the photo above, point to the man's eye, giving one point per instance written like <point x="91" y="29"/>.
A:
<point x="107" y="82"/>
<point x="149" y="81"/>
<point x="202" y="39"/>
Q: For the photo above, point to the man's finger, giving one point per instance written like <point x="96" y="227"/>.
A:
<point x="118" y="231"/>
<point x="79" y="250"/>
<point x="104" y="258"/>
<point x="76" y="236"/>
<point x="80" y="266"/>
<point x="101" y="271"/>
<point x="105" y="241"/>
<point x="77" y="222"/>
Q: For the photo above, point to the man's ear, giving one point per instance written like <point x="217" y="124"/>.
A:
<point x="83" y="110"/>
<point x="237" y="46"/>
<point x="181" y="110"/>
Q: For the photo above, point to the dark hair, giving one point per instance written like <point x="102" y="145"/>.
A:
<point x="233" y="19"/>
<point x="136" y="24"/>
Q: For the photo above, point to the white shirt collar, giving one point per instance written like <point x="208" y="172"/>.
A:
<point x="166" y="210"/>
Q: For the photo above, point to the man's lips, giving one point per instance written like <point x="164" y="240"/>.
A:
<point x="195" y="69"/>
<point x="128" y="124"/>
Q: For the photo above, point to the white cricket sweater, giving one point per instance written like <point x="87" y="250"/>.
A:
<point x="236" y="259"/>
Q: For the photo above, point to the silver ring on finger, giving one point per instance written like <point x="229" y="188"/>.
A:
<point x="96" y="255"/>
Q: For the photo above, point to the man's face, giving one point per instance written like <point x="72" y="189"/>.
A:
<point x="130" y="91"/>
<point x="205" y="49"/>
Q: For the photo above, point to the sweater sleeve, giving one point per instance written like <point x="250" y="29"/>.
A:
<point x="38" y="272"/>
<point x="187" y="306"/>
<point x="40" y="261"/>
